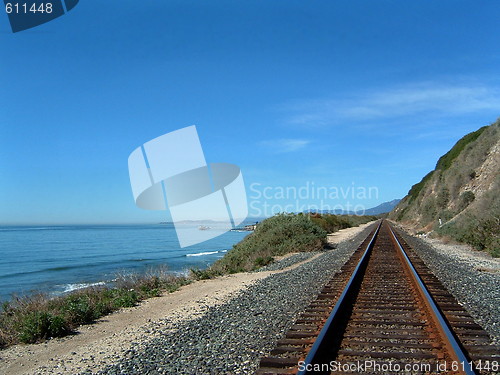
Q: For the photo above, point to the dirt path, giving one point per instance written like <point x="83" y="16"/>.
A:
<point x="346" y="234"/>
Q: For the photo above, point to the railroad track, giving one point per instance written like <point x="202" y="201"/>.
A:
<point x="384" y="313"/>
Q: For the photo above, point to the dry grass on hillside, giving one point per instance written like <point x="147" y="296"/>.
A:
<point x="461" y="197"/>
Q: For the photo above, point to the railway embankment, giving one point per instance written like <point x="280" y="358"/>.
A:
<point x="473" y="277"/>
<point x="384" y="307"/>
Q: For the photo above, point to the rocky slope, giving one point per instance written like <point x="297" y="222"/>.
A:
<point x="460" y="198"/>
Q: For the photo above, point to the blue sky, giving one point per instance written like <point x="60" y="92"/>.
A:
<point x="340" y="94"/>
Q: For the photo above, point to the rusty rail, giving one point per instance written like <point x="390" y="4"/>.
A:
<point x="342" y="301"/>
<point x="384" y="304"/>
<point x="454" y="348"/>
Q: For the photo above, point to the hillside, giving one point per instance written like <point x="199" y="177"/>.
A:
<point x="460" y="198"/>
<point x="382" y="208"/>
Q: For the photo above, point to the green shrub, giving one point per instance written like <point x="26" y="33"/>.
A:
<point x="172" y="286"/>
<point x="206" y="274"/>
<point x="402" y="213"/>
<point x="38" y="325"/>
<point x="444" y="163"/>
<point x="232" y="271"/>
<point x="483" y="234"/>
<point x="446" y="160"/>
<point x="417" y="188"/>
<point x="278" y="235"/>
<point x="149" y="293"/>
<point x="150" y="285"/>
<point x="78" y="309"/>
<point x="443" y="198"/>
<point x="332" y="223"/>
<point x="261" y="261"/>
<point x="429" y="209"/>
<point x="494" y="247"/>
<point x="102" y="308"/>
<point x="446" y="215"/>
<point x="466" y="198"/>
<point x="356" y="220"/>
<point x="3" y="341"/>
<point x="58" y="326"/>
<point x="33" y="318"/>
<point x="125" y="298"/>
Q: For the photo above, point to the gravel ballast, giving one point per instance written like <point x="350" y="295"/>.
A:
<point x="231" y="337"/>
<point x="472" y="277"/>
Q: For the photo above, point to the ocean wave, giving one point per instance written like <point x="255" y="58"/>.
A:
<point x="72" y="287"/>
<point x="18" y="229"/>
<point x="200" y="254"/>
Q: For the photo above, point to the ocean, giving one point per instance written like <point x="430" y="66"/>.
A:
<point x="59" y="259"/>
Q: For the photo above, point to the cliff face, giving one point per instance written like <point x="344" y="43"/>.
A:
<point x="461" y="197"/>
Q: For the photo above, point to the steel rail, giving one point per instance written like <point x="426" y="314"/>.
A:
<point x="338" y="306"/>
<point x="453" y="346"/>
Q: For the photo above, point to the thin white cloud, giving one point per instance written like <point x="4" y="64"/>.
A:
<point x="285" y="145"/>
<point x="418" y="99"/>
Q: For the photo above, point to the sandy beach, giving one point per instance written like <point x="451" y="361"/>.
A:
<point x="94" y="346"/>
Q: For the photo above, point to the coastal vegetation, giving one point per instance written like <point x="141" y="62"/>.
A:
<point x="34" y="318"/>
<point x="333" y="223"/>
<point x="29" y="319"/>
<point x="278" y="235"/>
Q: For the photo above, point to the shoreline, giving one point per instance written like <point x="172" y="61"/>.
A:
<point x="226" y="324"/>
<point x="52" y="260"/>
<point x="102" y="343"/>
